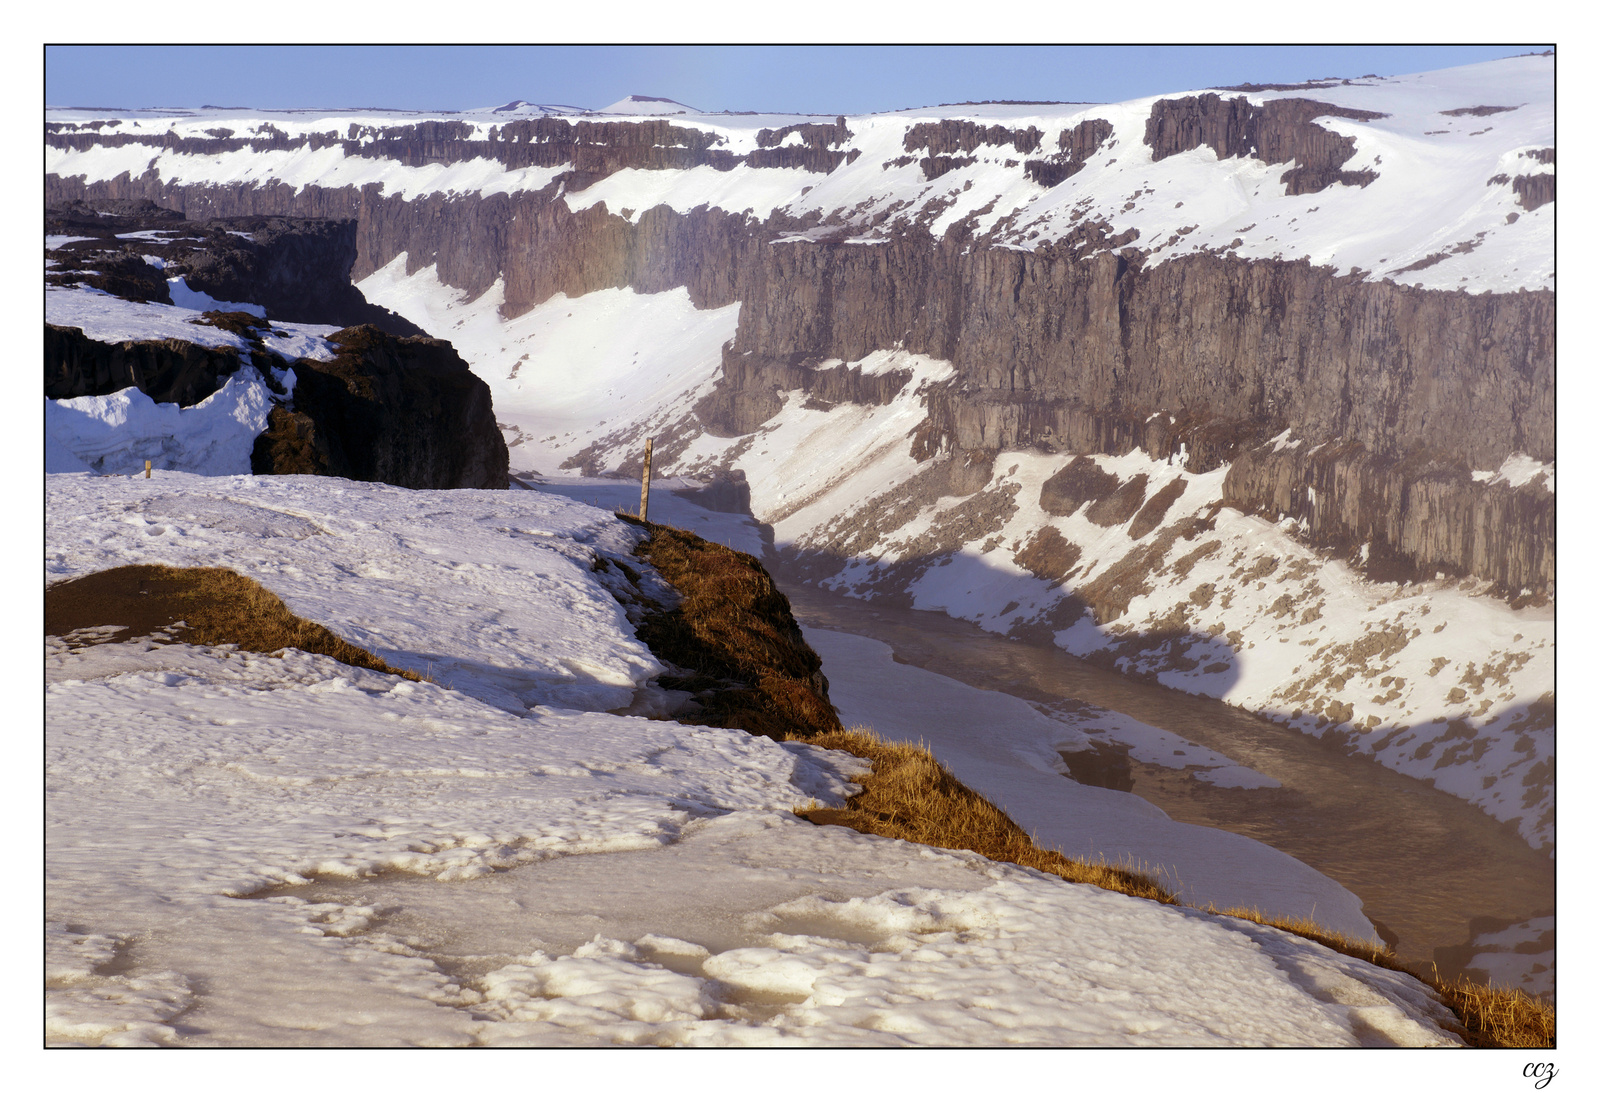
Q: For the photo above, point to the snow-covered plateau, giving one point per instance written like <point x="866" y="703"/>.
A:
<point x="1444" y="133"/>
<point x="264" y="850"/>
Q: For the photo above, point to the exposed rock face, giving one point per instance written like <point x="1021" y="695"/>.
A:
<point x="941" y="139"/>
<point x="1418" y="515"/>
<point x="1279" y="131"/>
<point x="751" y="391"/>
<point x="815" y="152"/>
<point x="1043" y="343"/>
<point x="296" y="268"/>
<point x="406" y="411"/>
<point x="167" y="371"/>
<point x="1534" y="190"/>
<point x="1078" y="483"/>
<point x="1075" y="146"/>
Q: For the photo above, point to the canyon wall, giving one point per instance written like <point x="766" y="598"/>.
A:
<point x="1083" y="344"/>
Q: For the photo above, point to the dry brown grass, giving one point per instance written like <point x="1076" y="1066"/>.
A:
<point x="910" y="795"/>
<point x="214" y="606"/>
<point x="1489" y="1016"/>
<point x="735" y="639"/>
<point x="1498" y="1018"/>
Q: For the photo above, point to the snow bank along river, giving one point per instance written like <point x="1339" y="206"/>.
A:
<point x="283" y="850"/>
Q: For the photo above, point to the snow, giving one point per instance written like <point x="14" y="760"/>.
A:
<point x="646" y="106"/>
<point x="1505" y="953"/>
<point x="107" y="318"/>
<point x="1518" y="470"/>
<point x="527" y="622"/>
<point x="185" y="297"/>
<point x="572" y="370"/>
<point x="280" y="850"/>
<point x="742" y="190"/>
<point x="300" y="167"/>
<point x="116" y="433"/>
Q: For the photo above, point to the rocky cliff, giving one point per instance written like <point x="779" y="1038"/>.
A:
<point x="406" y="411"/>
<point x="364" y="403"/>
<point x="168" y="370"/>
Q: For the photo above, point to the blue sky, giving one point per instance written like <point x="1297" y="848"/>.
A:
<point x="800" y="79"/>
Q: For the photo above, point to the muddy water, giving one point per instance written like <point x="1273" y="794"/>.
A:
<point x="1425" y="864"/>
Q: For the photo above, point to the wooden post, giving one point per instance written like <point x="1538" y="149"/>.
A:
<point x="147" y="468"/>
<point x="644" y="485"/>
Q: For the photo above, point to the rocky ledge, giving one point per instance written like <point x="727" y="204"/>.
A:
<point x="372" y="402"/>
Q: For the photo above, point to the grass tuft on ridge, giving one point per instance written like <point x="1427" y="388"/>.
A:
<point x="733" y="640"/>
<point x="910" y="795"/>
<point x="214" y="607"/>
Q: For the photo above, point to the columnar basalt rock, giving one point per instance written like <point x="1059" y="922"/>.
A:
<point x="1280" y="131"/>
<point x="1075" y="146"/>
<point x="1083" y="345"/>
<point x="1405" y="517"/>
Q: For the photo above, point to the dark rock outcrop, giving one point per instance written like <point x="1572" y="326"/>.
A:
<point x="298" y="269"/>
<point x="406" y="411"/>
<point x="1534" y="190"/>
<point x="749" y="393"/>
<point x="1075" y="145"/>
<point x="1415" y="514"/>
<point x="1280" y="131"/>
<point x="167" y="371"/>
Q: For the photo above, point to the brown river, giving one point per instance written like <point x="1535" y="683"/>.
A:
<point x="1431" y="870"/>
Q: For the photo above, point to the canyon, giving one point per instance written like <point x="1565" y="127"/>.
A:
<point x="1169" y="384"/>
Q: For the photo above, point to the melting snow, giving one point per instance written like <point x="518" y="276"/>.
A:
<point x="577" y="848"/>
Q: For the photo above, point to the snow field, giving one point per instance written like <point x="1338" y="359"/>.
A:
<point x="107" y="318"/>
<point x="521" y="617"/>
<point x="605" y="879"/>
<point x="571" y="371"/>
<point x="1483" y="240"/>
<point x="116" y="433"/>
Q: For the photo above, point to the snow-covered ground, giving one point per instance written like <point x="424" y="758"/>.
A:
<point x="1442" y="197"/>
<point x="577" y="877"/>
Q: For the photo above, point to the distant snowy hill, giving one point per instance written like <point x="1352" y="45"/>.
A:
<point x="637" y="105"/>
